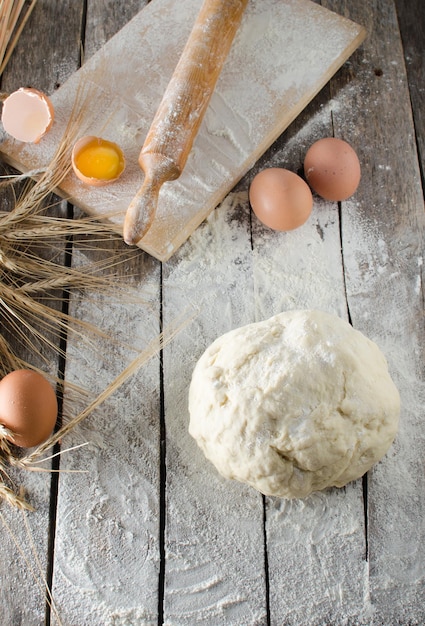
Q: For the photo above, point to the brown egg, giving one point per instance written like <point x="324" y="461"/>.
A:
<point x="97" y="161"/>
<point x="280" y="198"/>
<point x="28" y="407"/>
<point x="332" y="169"/>
<point x="27" y="115"/>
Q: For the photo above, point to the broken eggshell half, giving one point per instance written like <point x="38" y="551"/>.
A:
<point x="27" y="115"/>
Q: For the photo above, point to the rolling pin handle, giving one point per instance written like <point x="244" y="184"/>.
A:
<point x="141" y="212"/>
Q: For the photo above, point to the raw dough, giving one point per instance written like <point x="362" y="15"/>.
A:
<point x="294" y="404"/>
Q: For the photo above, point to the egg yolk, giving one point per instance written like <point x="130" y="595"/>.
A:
<point x="100" y="160"/>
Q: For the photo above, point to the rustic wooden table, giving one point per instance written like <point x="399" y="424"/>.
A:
<point x="148" y="532"/>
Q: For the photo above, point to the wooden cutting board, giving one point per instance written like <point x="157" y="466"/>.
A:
<point x="284" y="52"/>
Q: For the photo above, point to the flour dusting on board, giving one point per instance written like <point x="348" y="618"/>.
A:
<point x="266" y="81"/>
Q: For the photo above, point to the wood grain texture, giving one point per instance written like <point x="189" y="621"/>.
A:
<point x="105" y="19"/>
<point x="214" y="530"/>
<point x="411" y="19"/>
<point x="383" y="245"/>
<point x="107" y="540"/>
<point x="44" y="57"/>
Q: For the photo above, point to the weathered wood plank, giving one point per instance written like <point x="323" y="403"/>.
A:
<point x="107" y="539"/>
<point x="47" y="54"/>
<point x="320" y="540"/>
<point x="104" y="19"/>
<point x="411" y="18"/>
<point x="383" y="230"/>
<point x="44" y="57"/>
<point x="214" y="528"/>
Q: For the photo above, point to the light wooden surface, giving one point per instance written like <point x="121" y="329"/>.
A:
<point x="282" y="54"/>
<point x="149" y="533"/>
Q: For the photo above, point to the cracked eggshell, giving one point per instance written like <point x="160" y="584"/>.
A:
<point x="27" y="115"/>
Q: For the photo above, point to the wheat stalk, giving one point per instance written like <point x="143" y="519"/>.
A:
<point x="29" y="283"/>
<point x="6" y="492"/>
<point x="29" y="461"/>
<point x="37" y="571"/>
<point x="12" y="498"/>
<point x="152" y="349"/>
<point x="14" y="14"/>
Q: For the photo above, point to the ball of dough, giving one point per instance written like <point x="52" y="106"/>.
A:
<point x="294" y="404"/>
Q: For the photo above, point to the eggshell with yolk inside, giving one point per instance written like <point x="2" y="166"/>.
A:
<point x="97" y="161"/>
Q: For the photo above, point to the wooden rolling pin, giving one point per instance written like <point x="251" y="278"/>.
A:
<point x="177" y="120"/>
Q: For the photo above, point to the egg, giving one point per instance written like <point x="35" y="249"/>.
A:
<point x="280" y="199"/>
<point x="97" y="161"/>
<point x="28" y="407"/>
<point x="27" y="115"/>
<point x="332" y="169"/>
